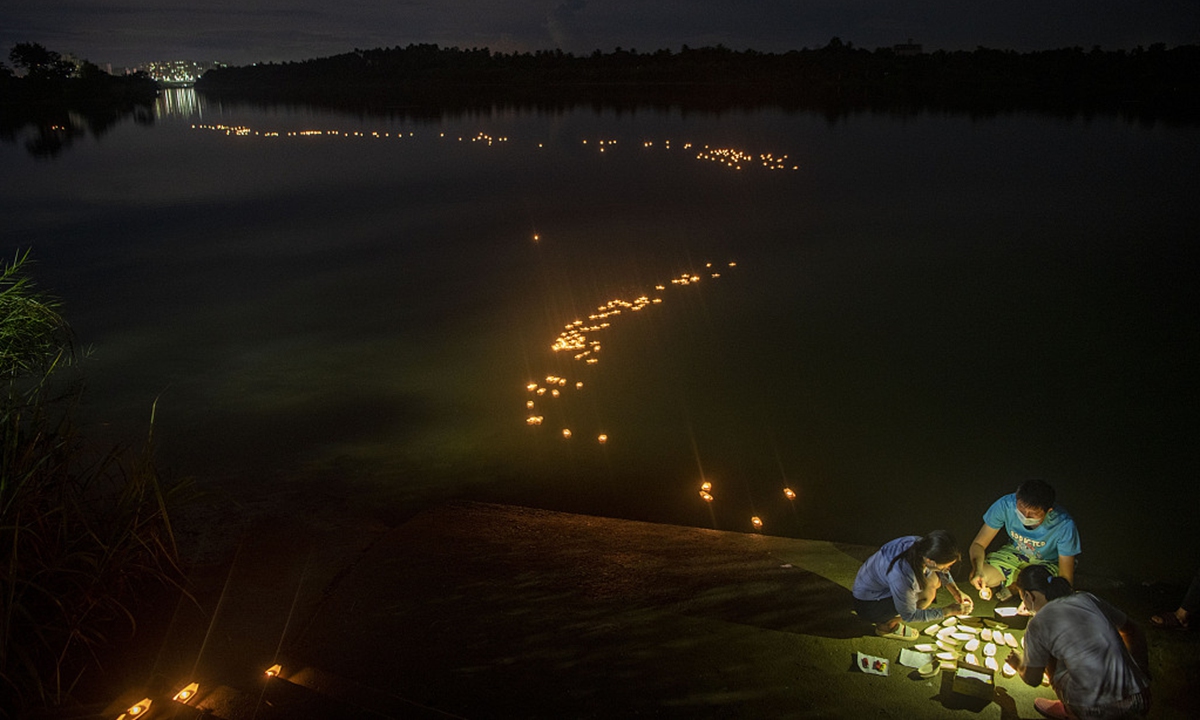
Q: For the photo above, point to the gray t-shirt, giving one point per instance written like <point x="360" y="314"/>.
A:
<point x="1093" y="666"/>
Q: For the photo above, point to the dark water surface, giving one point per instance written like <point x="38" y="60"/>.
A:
<point x="922" y="312"/>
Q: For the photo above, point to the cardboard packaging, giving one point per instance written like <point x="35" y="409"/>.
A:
<point x="974" y="681"/>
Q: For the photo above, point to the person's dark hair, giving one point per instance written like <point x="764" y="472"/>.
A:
<point x="939" y="546"/>
<point x="1036" y="493"/>
<point x="1038" y="578"/>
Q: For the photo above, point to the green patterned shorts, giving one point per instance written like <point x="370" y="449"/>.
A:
<point x="1009" y="562"/>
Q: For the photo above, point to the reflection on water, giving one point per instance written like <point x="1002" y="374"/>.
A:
<point x="179" y="103"/>
<point x="521" y="307"/>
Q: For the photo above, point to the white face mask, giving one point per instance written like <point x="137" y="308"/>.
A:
<point x="1028" y="521"/>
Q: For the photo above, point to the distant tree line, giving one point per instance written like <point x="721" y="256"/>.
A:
<point x="55" y="95"/>
<point x="1154" y="82"/>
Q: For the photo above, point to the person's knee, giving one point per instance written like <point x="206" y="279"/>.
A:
<point x="991" y="574"/>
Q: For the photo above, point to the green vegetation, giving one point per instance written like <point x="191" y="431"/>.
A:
<point x="1154" y="83"/>
<point x="83" y="533"/>
<point x="63" y="100"/>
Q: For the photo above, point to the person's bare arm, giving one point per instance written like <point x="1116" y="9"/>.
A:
<point x="1032" y="676"/>
<point x="978" y="552"/>
<point x="1066" y="568"/>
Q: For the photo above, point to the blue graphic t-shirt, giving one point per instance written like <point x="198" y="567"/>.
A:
<point x="1056" y="535"/>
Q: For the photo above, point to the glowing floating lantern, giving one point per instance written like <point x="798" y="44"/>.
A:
<point x="602" y="438"/>
<point x="187" y="693"/>
<point x="789" y="493"/>
<point x="706" y="495"/>
<point x="756" y="521"/>
<point x="140" y="709"/>
<point x="566" y="432"/>
<point x="529" y="404"/>
<point x="706" y="485"/>
<point x="274" y="670"/>
<point x="531" y="387"/>
<point x="579" y="385"/>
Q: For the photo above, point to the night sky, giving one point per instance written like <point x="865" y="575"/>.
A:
<point x="239" y="32"/>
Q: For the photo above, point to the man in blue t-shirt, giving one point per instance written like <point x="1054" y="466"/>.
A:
<point x="1038" y="533"/>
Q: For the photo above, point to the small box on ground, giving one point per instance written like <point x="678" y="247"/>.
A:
<point x="974" y="681"/>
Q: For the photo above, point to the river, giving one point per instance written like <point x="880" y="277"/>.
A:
<point x="897" y="317"/>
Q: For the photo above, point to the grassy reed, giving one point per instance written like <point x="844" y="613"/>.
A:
<point x="82" y="531"/>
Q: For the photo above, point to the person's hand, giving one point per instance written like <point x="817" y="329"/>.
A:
<point x="1013" y="660"/>
<point x="967" y="604"/>
<point x="977" y="581"/>
<point x="956" y="609"/>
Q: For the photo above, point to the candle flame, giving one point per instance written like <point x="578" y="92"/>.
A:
<point x="186" y="693"/>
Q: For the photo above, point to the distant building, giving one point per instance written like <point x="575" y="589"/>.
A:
<point x="908" y="48"/>
<point x="178" y="72"/>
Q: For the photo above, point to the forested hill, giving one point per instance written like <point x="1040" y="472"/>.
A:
<point x="1156" y="82"/>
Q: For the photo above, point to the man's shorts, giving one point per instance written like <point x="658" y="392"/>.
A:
<point x="1009" y="562"/>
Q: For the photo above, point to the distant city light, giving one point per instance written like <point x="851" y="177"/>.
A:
<point x="177" y="72"/>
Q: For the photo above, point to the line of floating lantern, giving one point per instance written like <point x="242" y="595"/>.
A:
<point x="576" y="339"/>
<point x="732" y="158"/>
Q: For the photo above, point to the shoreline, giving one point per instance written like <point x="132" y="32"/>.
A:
<point x="482" y="610"/>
